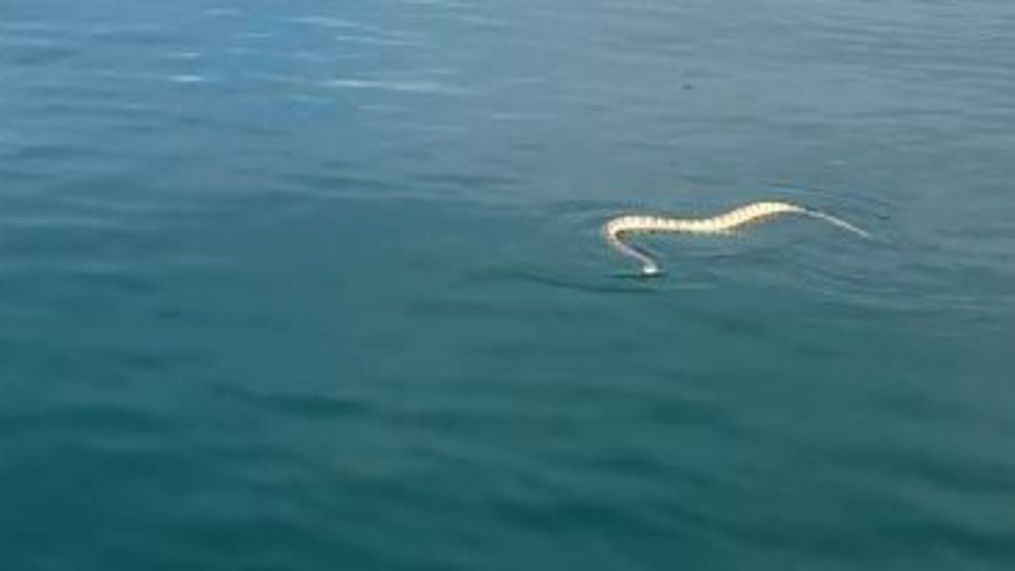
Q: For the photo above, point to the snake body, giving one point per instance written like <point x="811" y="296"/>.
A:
<point x="616" y="229"/>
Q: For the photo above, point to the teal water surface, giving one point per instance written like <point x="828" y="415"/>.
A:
<point x="319" y="285"/>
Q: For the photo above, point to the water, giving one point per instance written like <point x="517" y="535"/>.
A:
<point x="315" y="285"/>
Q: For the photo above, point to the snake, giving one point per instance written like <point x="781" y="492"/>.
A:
<point x="616" y="229"/>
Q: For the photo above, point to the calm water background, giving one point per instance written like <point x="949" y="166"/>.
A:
<point x="318" y="285"/>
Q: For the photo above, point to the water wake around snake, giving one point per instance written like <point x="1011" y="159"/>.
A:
<point x="616" y="229"/>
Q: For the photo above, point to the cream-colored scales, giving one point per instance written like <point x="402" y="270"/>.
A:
<point x="616" y="229"/>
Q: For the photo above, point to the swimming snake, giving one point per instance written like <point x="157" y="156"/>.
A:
<point x="617" y="228"/>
